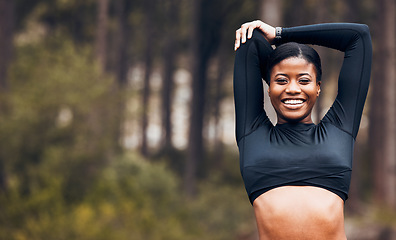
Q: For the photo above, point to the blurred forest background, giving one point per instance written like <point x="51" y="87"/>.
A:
<point x="117" y="118"/>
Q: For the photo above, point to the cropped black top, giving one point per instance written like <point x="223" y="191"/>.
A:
<point x="298" y="154"/>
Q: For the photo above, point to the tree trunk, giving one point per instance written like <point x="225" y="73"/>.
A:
<point x="148" y="54"/>
<point x="120" y="65"/>
<point x="296" y="13"/>
<point x="353" y="10"/>
<point x="219" y="95"/>
<point x="195" y="140"/>
<point x="7" y="8"/>
<point x="387" y="52"/>
<point x="205" y="40"/>
<point x="101" y="33"/>
<point x="3" y="178"/>
<point x="169" y="57"/>
<point x="321" y="16"/>
<point x="7" y="20"/>
<point x="270" y="10"/>
<point x="121" y="59"/>
<point x="377" y="118"/>
<point x="383" y="116"/>
<point x="351" y="14"/>
<point x="167" y="90"/>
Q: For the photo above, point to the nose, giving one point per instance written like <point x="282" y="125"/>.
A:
<point x="293" y="88"/>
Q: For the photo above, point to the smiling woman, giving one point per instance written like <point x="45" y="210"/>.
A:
<point x="296" y="173"/>
<point x="293" y="90"/>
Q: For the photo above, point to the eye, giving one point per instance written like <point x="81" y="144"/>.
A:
<point x="304" y="81"/>
<point x="281" y="81"/>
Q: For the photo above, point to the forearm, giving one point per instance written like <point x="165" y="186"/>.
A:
<point x="338" y="36"/>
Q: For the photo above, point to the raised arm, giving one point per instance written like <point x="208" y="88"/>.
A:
<point x="354" y="40"/>
<point x="250" y="66"/>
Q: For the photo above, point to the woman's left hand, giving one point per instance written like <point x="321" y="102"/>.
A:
<point x="247" y="28"/>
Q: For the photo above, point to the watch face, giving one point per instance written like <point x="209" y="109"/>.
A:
<point x="278" y="32"/>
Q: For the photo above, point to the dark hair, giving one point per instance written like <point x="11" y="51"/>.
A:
<point x="292" y="49"/>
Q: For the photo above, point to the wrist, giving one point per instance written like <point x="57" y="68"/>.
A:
<point x="278" y="33"/>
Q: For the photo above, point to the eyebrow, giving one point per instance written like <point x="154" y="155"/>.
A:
<point x="300" y="74"/>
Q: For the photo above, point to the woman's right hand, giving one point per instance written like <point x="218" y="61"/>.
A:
<point x="247" y="28"/>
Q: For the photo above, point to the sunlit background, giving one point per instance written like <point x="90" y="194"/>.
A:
<point x="117" y="118"/>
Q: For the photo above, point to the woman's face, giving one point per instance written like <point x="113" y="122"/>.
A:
<point x="293" y="90"/>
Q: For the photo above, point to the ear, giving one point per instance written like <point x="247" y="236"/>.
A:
<point x="318" y="85"/>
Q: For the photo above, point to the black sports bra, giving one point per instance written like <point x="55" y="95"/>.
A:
<point x="296" y="153"/>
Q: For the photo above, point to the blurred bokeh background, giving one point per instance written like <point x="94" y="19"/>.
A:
<point x="117" y="118"/>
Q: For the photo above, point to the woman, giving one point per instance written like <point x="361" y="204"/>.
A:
<point x="296" y="173"/>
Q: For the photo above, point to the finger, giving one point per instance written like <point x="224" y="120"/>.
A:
<point x="244" y="28"/>
<point x="236" y="45"/>
<point x="250" y="31"/>
<point x="237" y="39"/>
<point x="251" y="27"/>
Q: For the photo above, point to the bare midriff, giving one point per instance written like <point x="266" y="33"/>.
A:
<point x="300" y="212"/>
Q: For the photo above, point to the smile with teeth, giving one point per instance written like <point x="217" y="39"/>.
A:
<point x="293" y="101"/>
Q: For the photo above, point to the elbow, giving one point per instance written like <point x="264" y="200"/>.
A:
<point x="365" y="34"/>
<point x="364" y="30"/>
<point x="362" y="33"/>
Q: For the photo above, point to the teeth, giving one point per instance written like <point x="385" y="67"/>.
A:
<point x="293" y="101"/>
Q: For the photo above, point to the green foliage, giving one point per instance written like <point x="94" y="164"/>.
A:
<point x="57" y="118"/>
<point x="385" y="216"/>
<point x="133" y="199"/>
<point x="144" y="198"/>
<point x="65" y="180"/>
<point x="222" y="211"/>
